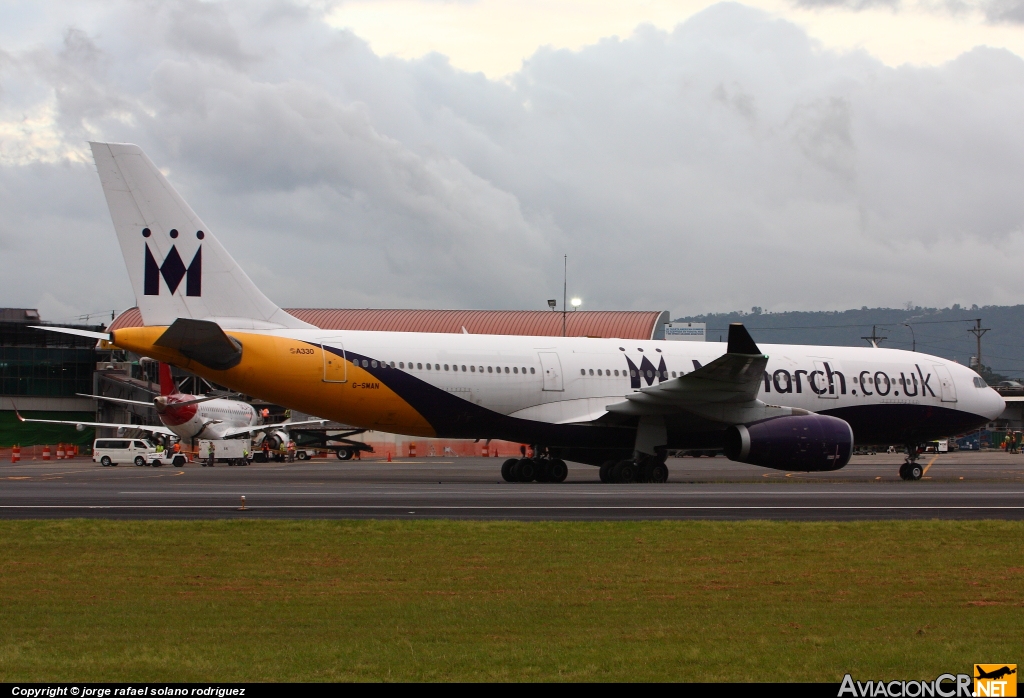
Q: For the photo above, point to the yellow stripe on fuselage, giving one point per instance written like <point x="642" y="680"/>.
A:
<point x="290" y="372"/>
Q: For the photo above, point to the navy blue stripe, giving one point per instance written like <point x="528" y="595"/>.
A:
<point x="457" y="418"/>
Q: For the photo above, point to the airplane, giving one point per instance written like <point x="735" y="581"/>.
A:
<point x="995" y="674"/>
<point x="617" y="404"/>
<point x="190" y="417"/>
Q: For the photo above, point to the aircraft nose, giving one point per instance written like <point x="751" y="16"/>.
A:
<point x="994" y="404"/>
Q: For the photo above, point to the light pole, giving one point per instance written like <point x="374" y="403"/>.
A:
<point x="565" y="286"/>
<point x="576" y="303"/>
<point x="914" y="336"/>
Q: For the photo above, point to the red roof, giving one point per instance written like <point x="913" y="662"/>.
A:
<point x="624" y="324"/>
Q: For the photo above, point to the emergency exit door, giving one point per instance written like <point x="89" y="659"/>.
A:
<point x="335" y="365"/>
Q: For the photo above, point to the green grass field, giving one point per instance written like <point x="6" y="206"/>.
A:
<point x="94" y="600"/>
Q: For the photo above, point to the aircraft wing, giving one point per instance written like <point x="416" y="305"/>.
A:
<point x="270" y="427"/>
<point x="117" y="399"/>
<point x="140" y="427"/>
<point x="725" y="390"/>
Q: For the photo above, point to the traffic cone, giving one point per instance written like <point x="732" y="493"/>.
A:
<point x="389" y="456"/>
<point x="46" y="452"/>
<point x="60" y="451"/>
<point x="16" y="453"/>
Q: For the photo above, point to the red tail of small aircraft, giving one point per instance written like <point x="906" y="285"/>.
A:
<point x="167" y="386"/>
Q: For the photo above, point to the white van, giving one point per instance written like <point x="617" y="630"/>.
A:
<point x="113" y="451"/>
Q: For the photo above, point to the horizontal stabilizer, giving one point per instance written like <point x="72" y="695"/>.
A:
<point x="202" y="341"/>
<point x="105" y="336"/>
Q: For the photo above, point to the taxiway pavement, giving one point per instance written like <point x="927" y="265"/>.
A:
<point x="958" y="485"/>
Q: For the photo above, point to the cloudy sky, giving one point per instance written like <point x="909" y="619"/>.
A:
<point x="690" y="156"/>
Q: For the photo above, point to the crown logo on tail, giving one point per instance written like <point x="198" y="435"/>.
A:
<point x="174" y="270"/>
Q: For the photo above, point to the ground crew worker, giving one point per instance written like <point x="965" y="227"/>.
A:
<point x="266" y="450"/>
<point x="177" y="447"/>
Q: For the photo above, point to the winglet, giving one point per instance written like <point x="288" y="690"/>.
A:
<point x="740" y="341"/>
<point x="16" y="413"/>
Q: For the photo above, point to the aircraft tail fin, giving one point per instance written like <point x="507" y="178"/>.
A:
<point x="177" y="267"/>
<point x="167" y="384"/>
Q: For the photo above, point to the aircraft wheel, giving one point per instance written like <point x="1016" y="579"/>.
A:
<point x="139" y="460"/>
<point x="903" y="472"/>
<point x="507" y="469"/>
<point x="624" y="471"/>
<point x="605" y="472"/>
<point x="543" y="472"/>
<point x="558" y="470"/>
<point x="659" y="472"/>
<point x="643" y="471"/>
<point x="105" y="461"/>
<point x="914" y="472"/>
<point x="525" y="470"/>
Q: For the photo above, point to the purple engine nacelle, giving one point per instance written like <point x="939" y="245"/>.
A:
<point x="800" y="442"/>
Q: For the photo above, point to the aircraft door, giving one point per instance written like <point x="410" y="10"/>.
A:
<point x="552" y="369"/>
<point x="946" y="383"/>
<point x="335" y="365"/>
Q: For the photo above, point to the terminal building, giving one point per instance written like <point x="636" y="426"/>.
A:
<point x="41" y="374"/>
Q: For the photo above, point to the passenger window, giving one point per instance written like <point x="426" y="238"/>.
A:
<point x="591" y="371"/>
<point x="506" y="369"/>
<point x="463" y="368"/>
<point x="599" y="372"/>
<point x="515" y="369"/>
<point x="428" y="367"/>
<point x="523" y="369"/>
<point x="673" y="374"/>
<point x="419" y="366"/>
<point x="490" y="370"/>
<point x="532" y="369"/>
<point x="583" y="371"/>
<point x="374" y="364"/>
<point x="446" y="367"/>
<point x="473" y="369"/>
<point x="632" y="373"/>
<point x="481" y="369"/>
<point x="392" y="364"/>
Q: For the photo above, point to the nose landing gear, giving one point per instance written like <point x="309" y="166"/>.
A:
<point x="911" y="469"/>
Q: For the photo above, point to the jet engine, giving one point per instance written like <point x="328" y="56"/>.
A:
<point x="276" y="439"/>
<point x="806" y="442"/>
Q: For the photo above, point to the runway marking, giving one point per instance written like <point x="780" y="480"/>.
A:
<point x="509" y="507"/>
<point x="925" y="471"/>
<point x="425" y="492"/>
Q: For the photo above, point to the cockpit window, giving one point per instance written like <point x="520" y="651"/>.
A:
<point x="979" y="382"/>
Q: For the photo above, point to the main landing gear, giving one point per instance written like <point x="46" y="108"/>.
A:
<point x="911" y="469"/>
<point x="534" y="469"/>
<point x="642" y="469"/>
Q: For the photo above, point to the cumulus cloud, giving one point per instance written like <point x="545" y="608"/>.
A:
<point x="728" y="163"/>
